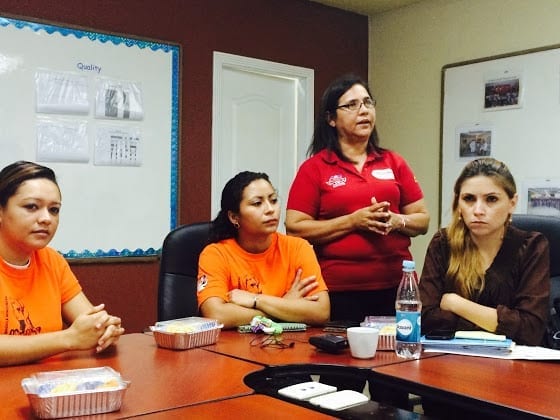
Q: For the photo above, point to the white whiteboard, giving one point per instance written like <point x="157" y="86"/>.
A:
<point x="107" y="210"/>
<point x="523" y="131"/>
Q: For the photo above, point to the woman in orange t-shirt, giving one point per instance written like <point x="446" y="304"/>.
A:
<point x="38" y="291"/>
<point x="250" y="269"/>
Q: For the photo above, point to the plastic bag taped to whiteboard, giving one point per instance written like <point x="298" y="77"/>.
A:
<point x="117" y="146"/>
<point x="61" y="140"/>
<point x="61" y="92"/>
<point x="118" y="100"/>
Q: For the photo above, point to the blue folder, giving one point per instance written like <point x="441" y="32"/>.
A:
<point x="483" y="346"/>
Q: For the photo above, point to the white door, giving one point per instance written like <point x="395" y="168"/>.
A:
<point x="262" y="121"/>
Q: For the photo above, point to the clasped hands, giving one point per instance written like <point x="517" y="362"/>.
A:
<point x="378" y="218"/>
<point x="299" y="290"/>
<point x="96" y="329"/>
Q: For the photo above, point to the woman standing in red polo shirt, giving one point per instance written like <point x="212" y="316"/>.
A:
<point x="357" y="203"/>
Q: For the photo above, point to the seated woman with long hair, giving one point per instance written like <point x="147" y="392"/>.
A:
<point x="482" y="273"/>
<point x="250" y="269"/>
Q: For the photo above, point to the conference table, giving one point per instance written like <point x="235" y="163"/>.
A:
<point x="248" y="347"/>
<point x="159" y="378"/>
<point x="498" y="388"/>
<point x="226" y="379"/>
<point x="256" y="405"/>
<point x="493" y="387"/>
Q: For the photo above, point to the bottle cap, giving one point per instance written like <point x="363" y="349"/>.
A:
<point x="408" y="265"/>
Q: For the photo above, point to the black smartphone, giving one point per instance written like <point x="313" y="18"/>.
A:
<point x="440" y="335"/>
<point x="330" y="343"/>
<point x="340" y="326"/>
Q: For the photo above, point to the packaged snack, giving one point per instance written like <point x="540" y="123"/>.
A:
<point x="186" y="333"/>
<point x="387" y="326"/>
<point x="77" y="392"/>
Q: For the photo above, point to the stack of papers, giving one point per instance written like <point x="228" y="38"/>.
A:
<point x="471" y="342"/>
<point x="485" y="344"/>
<point x="480" y="335"/>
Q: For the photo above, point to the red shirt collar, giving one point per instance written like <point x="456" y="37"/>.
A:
<point x="331" y="157"/>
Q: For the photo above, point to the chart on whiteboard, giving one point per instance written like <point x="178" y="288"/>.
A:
<point x="117" y="146"/>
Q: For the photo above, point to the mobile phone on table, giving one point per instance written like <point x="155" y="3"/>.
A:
<point x="331" y="343"/>
<point x="340" y="326"/>
<point x="440" y="335"/>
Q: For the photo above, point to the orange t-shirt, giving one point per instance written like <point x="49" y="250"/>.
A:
<point x="225" y="266"/>
<point x="32" y="298"/>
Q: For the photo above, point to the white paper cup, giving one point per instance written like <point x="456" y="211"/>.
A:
<point x="362" y="341"/>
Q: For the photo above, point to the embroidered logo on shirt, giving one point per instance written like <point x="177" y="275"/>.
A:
<point x="383" y="173"/>
<point x="336" y="181"/>
<point x="202" y="283"/>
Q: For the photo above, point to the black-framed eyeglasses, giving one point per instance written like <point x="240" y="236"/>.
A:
<point x="355" y="104"/>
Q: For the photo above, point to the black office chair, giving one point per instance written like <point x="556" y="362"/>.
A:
<point x="178" y="270"/>
<point x="549" y="226"/>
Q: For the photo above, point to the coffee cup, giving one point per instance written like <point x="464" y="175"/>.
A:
<point x="362" y="341"/>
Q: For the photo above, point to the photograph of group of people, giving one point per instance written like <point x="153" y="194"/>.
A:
<point x="475" y="143"/>
<point x="544" y="201"/>
<point x="501" y="93"/>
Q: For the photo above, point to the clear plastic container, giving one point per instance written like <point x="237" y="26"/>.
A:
<point x="76" y="392"/>
<point x="387" y="326"/>
<point x="186" y="333"/>
<point x="191" y="324"/>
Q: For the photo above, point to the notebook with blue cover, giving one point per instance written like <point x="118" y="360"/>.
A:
<point x="476" y="345"/>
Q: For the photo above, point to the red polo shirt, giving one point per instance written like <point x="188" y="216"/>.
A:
<point x="326" y="187"/>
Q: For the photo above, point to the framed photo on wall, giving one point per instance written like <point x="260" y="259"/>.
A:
<point x="474" y="141"/>
<point x="543" y="197"/>
<point x="502" y="92"/>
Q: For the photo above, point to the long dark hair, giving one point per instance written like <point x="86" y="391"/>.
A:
<point x="465" y="265"/>
<point x="324" y="135"/>
<point x="13" y="175"/>
<point x="232" y="194"/>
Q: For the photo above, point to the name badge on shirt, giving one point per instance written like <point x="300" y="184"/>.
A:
<point x="383" y="173"/>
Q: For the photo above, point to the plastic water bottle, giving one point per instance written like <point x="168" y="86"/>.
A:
<point x="408" y="308"/>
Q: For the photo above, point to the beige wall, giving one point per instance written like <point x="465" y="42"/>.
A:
<point x="409" y="47"/>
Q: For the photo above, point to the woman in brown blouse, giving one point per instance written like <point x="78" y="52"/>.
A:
<point x="480" y="272"/>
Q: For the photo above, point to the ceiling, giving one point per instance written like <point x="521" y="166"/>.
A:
<point x="367" y="7"/>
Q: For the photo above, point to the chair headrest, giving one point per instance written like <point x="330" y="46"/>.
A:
<point x="549" y="226"/>
<point x="182" y="246"/>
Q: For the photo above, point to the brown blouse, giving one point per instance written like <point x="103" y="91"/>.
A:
<point x="517" y="284"/>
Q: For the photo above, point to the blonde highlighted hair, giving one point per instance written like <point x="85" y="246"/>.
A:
<point x="465" y="263"/>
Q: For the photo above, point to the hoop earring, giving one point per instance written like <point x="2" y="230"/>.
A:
<point x="236" y="225"/>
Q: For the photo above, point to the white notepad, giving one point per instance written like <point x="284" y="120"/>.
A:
<point x="306" y="390"/>
<point x="340" y="400"/>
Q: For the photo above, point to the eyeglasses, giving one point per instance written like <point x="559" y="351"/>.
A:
<point x="355" y="104"/>
<point x="272" y="341"/>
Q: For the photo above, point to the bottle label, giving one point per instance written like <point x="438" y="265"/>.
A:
<point x="408" y="326"/>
